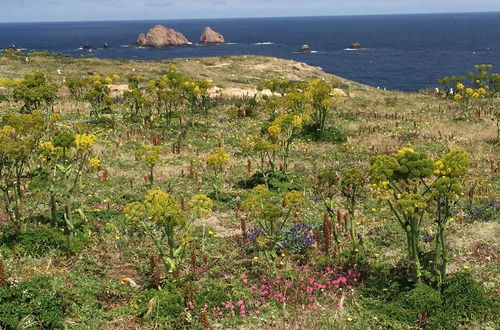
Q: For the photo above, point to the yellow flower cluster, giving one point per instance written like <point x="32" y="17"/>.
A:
<point x="382" y="191"/>
<point x="163" y="208"/>
<point x="256" y="198"/>
<point x="441" y="168"/>
<point x="297" y="122"/>
<point x="50" y="152"/>
<point x="218" y="158"/>
<point x="468" y="93"/>
<point x="47" y="148"/>
<point x="84" y="142"/>
<point x="274" y="130"/>
<point x="201" y="204"/>
<point x="293" y="199"/>
<point x="405" y="150"/>
<point x="95" y="163"/>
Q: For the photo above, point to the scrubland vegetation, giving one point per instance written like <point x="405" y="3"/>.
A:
<point x="142" y="194"/>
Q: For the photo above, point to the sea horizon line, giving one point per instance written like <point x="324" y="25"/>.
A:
<point x="253" y="17"/>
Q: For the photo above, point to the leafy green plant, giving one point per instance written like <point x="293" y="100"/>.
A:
<point x="462" y="300"/>
<point x="351" y="183"/>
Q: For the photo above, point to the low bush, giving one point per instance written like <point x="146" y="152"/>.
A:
<point x="461" y="300"/>
<point x="31" y="303"/>
<point x="332" y="134"/>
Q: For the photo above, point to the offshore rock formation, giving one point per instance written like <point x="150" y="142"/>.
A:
<point x="355" y="45"/>
<point x="160" y="36"/>
<point x="304" y="49"/>
<point x="210" y="37"/>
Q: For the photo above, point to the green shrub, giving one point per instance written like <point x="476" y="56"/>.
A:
<point x="464" y="297"/>
<point x="278" y="181"/>
<point x="35" y="299"/>
<point x="391" y="101"/>
<point x="332" y="134"/>
<point x="165" y="307"/>
<point x="462" y="300"/>
<point x="224" y="198"/>
<point x="38" y="241"/>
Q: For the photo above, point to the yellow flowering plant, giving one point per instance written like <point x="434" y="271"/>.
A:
<point x="35" y="92"/>
<point x="19" y="136"/>
<point x="150" y="156"/>
<point x="216" y="161"/>
<point x="95" y="163"/>
<point x="322" y="100"/>
<point x="445" y="191"/>
<point x="195" y="93"/>
<point x="160" y="216"/>
<point x="481" y="87"/>
<point x="400" y="181"/>
<point x="282" y="132"/>
<point x="349" y="184"/>
<point x="98" y="94"/>
<point x="271" y="214"/>
<point x="413" y="185"/>
<point x="137" y="100"/>
<point x="201" y="204"/>
<point x="65" y="158"/>
<point x="168" y="93"/>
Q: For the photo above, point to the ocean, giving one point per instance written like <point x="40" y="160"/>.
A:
<point x="402" y="52"/>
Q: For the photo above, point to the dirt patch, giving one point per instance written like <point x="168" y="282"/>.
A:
<point x="118" y="90"/>
<point x="220" y="224"/>
<point x="126" y="270"/>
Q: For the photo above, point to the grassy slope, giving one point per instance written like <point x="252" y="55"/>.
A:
<point x="379" y="122"/>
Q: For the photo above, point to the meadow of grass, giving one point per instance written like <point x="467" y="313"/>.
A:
<point x="182" y="223"/>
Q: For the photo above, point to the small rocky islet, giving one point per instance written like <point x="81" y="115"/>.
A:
<point x="160" y="36"/>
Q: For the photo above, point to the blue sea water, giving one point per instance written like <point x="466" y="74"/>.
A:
<point x="403" y="52"/>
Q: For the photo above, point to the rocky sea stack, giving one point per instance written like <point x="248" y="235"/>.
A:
<point x="160" y="36"/>
<point x="210" y="37"/>
<point x="304" y="49"/>
<point x="356" y="45"/>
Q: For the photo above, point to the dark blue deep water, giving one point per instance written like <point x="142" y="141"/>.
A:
<point x="403" y="52"/>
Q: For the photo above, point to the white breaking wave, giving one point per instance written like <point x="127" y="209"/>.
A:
<point x="264" y="43"/>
